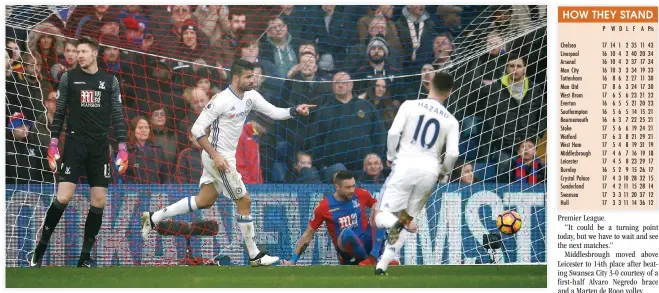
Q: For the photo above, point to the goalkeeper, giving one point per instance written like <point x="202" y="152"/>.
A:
<point x="344" y="212"/>
<point x="92" y="98"/>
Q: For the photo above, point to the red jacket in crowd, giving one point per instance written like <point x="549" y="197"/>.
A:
<point x="248" y="161"/>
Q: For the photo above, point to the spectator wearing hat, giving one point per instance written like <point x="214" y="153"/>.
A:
<point x="44" y="41"/>
<point x="194" y="44"/>
<point x="25" y="158"/>
<point x="375" y="65"/>
<point x="378" y="27"/>
<point x="132" y="19"/>
<point x="169" y="37"/>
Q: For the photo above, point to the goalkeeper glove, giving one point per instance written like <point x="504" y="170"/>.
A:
<point x="122" y="159"/>
<point x="53" y="154"/>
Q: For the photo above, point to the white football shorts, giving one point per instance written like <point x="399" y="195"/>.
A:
<point x="407" y="189"/>
<point x="230" y="184"/>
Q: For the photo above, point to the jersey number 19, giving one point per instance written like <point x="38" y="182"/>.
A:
<point x="425" y="141"/>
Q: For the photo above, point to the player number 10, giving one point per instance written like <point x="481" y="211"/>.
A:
<point x="431" y="121"/>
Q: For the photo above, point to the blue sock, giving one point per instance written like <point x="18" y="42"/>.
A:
<point x="352" y="244"/>
<point x="378" y="239"/>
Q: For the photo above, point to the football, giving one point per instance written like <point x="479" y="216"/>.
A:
<point x="509" y="222"/>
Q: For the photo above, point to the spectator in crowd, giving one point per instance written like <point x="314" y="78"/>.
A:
<point x="169" y="38"/>
<point x="226" y="46"/>
<point x="248" y="49"/>
<point x="378" y="27"/>
<point x="450" y="19"/>
<point x="44" y="41"/>
<point x="427" y="74"/>
<point x="14" y="55"/>
<point x="279" y="47"/>
<point x="194" y="44"/>
<point x="463" y="173"/>
<point x="302" y="172"/>
<point x="134" y="21"/>
<point x="23" y="90"/>
<point x="378" y="94"/>
<point x="188" y="166"/>
<point x="306" y="92"/>
<point x="197" y="98"/>
<point x="526" y="167"/>
<point x="331" y="31"/>
<point x="213" y="20"/>
<point x="248" y="160"/>
<point x="375" y="65"/>
<point x="164" y="134"/>
<point x="91" y="23"/>
<point x="442" y="48"/>
<point x="416" y="30"/>
<point x="25" y="158"/>
<point x="158" y="88"/>
<point x="67" y="62"/>
<point x="346" y="128"/>
<point x="323" y="69"/>
<point x="501" y="105"/>
<point x="298" y="19"/>
<point x="292" y="133"/>
<point x="146" y="162"/>
<point x="377" y="11"/>
<point x="372" y="171"/>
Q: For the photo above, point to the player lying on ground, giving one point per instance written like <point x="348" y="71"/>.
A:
<point x="416" y="139"/>
<point x="353" y="237"/>
<point x="226" y="114"/>
<point x="92" y="99"/>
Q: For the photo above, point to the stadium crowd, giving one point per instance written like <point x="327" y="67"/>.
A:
<point x="354" y="62"/>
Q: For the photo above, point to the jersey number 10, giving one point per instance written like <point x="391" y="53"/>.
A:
<point x="424" y="134"/>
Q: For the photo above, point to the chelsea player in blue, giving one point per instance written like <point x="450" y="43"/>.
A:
<point x="355" y="240"/>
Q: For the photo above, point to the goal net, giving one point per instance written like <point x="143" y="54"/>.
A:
<point x="358" y="64"/>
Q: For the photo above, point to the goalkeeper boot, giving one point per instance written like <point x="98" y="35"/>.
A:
<point x="147" y="225"/>
<point x="263" y="259"/>
<point x="380" y="272"/>
<point x="34" y="259"/>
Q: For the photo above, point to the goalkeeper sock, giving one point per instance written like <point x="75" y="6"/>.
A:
<point x="352" y="244"/>
<point x="247" y="228"/>
<point x="53" y="215"/>
<point x="385" y="220"/>
<point x="183" y="206"/>
<point x="391" y="251"/>
<point x="92" y="226"/>
<point x="378" y="239"/>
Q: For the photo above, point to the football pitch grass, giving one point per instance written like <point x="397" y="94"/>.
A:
<point x="454" y="276"/>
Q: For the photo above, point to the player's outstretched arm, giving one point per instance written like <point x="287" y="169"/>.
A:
<point x="302" y="245"/>
<point x="263" y="106"/>
<point x="119" y="126"/>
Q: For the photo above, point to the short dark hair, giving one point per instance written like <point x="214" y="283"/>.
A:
<point x="514" y="56"/>
<point x="342" y="175"/>
<point x="442" y="82"/>
<point x="239" y="66"/>
<point x="236" y="11"/>
<point x="89" y="41"/>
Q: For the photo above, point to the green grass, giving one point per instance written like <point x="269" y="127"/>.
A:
<point x="463" y="276"/>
